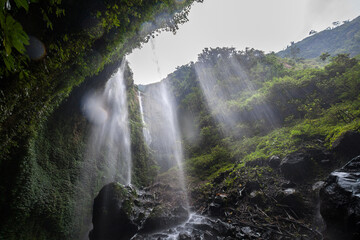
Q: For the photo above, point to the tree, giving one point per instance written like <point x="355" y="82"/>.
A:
<point x="324" y="56"/>
<point x="294" y="50"/>
<point x="336" y="23"/>
<point x="312" y="32"/>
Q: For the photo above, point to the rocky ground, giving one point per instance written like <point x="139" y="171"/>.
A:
<point x="297" y="197"/>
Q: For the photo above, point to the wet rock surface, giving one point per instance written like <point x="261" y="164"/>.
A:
<point x="274" y="161"/>
<point x="348" y="144"/>
<point x="297" y="166"/>
<point x="113" y="213"/>
<point x="340" y="202"/>
<point x="120" y="212"/>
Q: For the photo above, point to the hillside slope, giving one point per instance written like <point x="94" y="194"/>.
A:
<point x="343" y="39"/>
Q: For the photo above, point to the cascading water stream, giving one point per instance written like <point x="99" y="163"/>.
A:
<point x="159" y="107"/>
<point x="145" y="130"/>
<point x="110" y="139"/>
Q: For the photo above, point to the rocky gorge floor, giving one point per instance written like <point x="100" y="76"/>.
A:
<point x="305" y="195"/>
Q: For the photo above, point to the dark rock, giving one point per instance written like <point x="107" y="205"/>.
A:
<point x="252" y="186"/>
<point x="288" y="184"/>
<point x="113" y="213"/>
<point x="297" y="167"/>
<point x="340" y="201"/>
<point x="224" y="229"/>
<point x="215" y="210"/>
<point x="318" y="154"/>
<point x="184" y="236"/>
<point x="274" y="161"/>
<point x="162" y="218"/>
<point x="348" y="144"/>
<point x="258" y="198"/>
<point x="120" y="212"/>
<point x="221" y="199"/>
<point x="293" y="200"/>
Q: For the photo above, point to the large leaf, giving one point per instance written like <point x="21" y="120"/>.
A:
<point x="22" y="3"/>
<point x="15" y="36"/>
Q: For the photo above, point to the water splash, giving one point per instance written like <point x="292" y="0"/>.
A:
<point x="110" y="138"/>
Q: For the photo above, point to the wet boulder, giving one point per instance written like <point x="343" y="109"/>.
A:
<point x="252" y="186"/>
<point x="215" y="210"/>
<point x="114" y="214"/>
<point x="348" y="144"/>
<point x="120" y="212"/>
<point x="340" y="201"/>
<point x="293" y="199"/>
<point x="258" y="198"/>
<point x="163" y="217"/>
<point x="297" y="166"/>
<point x="274" y="161"/>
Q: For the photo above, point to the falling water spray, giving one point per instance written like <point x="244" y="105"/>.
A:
<point x="145" y="130"/>
<point x="160" y="109"/>
<point x="110" y="138"/>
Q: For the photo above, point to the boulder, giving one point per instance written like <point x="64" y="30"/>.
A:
<point x="348" y="144"/>
<point x="274" y="161"/>
<point x="297" y="166"/>
<point x="252" y="186"/>
<point x="120" y="212"/>
<point x="340" y="201"/>
<point x="215" y="210"/>
<point x="113" y="213"/>
<point x="162" y="217"/>
<point x="292" y="198"/>
<point x="258" y="198"/>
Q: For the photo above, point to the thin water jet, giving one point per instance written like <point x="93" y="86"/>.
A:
<point x="159" y="107"/>
<point x="145" y="129"/>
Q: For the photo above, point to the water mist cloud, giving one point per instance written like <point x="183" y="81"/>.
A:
<point x="93" y="107"/>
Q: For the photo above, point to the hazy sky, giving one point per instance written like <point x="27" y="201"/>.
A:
<point x="268" y="25"/>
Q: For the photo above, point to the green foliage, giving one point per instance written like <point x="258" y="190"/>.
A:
<point x="205" y="165"/>
<point x="324" y="56"/>
<point x="288" y="109"/>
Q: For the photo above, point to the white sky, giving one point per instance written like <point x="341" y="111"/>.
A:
<point x="268" y="25"/>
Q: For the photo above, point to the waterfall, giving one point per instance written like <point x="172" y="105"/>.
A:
<point x="145" y="130"/>
<point x="110" y="139"/>
<point x="160" y="109"/>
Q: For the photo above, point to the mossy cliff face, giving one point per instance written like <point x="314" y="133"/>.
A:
<point x="57" y="182"/>
<point x="44" y="192"/>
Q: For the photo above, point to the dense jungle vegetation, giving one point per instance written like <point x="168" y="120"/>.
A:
<point x="282" y="106"/>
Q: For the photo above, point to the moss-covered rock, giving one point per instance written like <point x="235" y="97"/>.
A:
<point x="120" y="212"/>
<point x="114" y="214"/>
